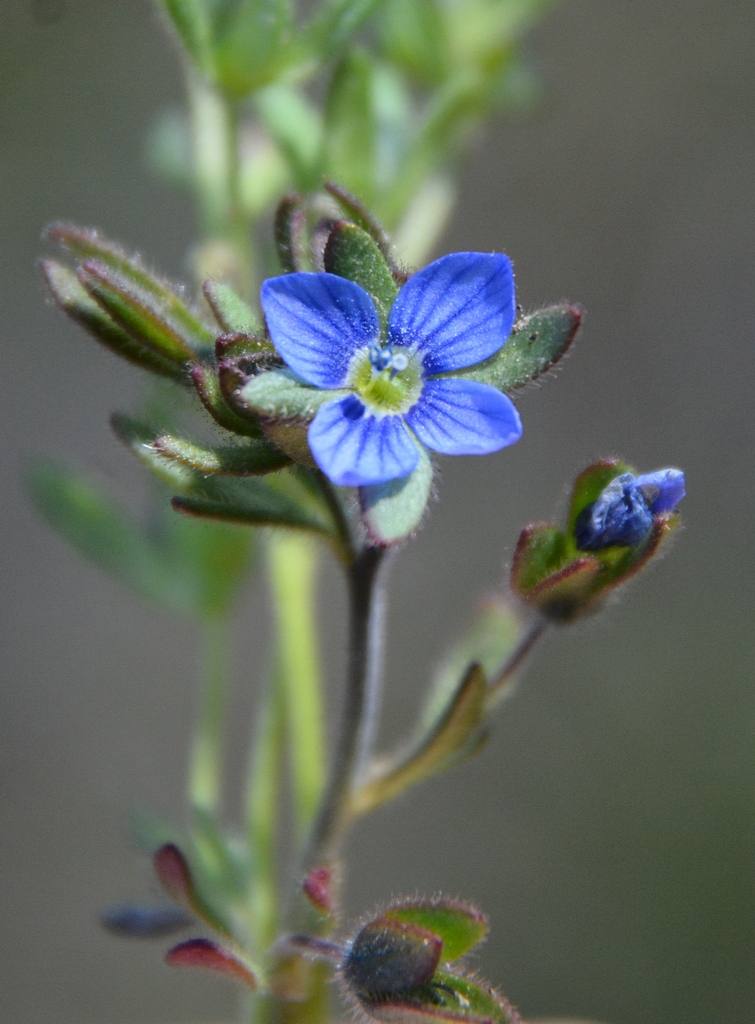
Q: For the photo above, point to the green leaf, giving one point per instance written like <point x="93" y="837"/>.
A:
<point x="460" y="925"/>
<point x="296" y="127"/>
<point x="393" y="511"/>
<point x="132" y="311"/>
<point x="351" y="253"/>
<point x="350" y="132"/>
<point x="97" y="528"/>
<point x="536" y="344"/>
<point x="150" y="832"/>
<point x="216" y="858"/>
<point x="290" y="232"/>
<point x="490" y="639"/>
<point x="249" y="39"/>
<point x="413" y="33"/>
<point x="290" y="499"/>
<point x="233" y="314"/>
<point x="191" y="20"/>
<point x="205" y="380"/>
<point x="87" y="244"/>
<point x="334" y="24"/>
<point x="472" y="1000"/>
<point x="541" y="550"/>
<point x="279" y="395"/>
<point x="590" y="483"/>
<point x="432" y="751"/>
<point x="73" y="298"/>
<point x="250" y="458"/>
<point x="191" y="568"/>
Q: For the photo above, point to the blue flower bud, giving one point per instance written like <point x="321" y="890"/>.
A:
<point x="624" y="511"/>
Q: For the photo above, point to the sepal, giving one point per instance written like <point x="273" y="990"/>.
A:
<point x="393" y="511"/>
<point x="177" y="879"/>
<point x="459" y="925"/>
<point x="352" y="253"/>
<point x="537" y="342"/>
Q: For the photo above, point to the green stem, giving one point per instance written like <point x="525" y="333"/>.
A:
<point x="499" y="684"/>
<point x="293" y="566"/>
<point x="262" y="816"/>
<point x="362" y="698"/>
<point x="226" y="228"/>
<point x="205" y="773"/>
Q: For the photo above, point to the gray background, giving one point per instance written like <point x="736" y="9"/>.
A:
<point x="608" y="828"/>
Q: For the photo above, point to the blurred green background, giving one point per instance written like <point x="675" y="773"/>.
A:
<point x="609" y="827"/>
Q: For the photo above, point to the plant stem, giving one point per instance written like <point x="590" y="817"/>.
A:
<point x="205" y="773"/>
<point x="293" y="567"/>
<point x="262" y="816"/>
<point x="361" y="704"/>
<point x="226" y="229"/>
<point x="527" y="641"/>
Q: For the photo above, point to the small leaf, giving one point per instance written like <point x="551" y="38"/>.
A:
<point x="250" y="458"/>
<point x="145" y="920"/>
<point x="88" y="244"/>
<point x="285" y="499"/>
<point x="490" y="639"/>
<point x="541" y="550"/>
<point x="390" y="956"/>
<point x="149" y="831"/>
<point x="207" y="384"/>
<point x="432" y="751"/>
<point x="321" y="888"/>
<point x="233" y="314"/>
<point x="351" y="253"/>
<point x="460" y="925"/>
<point x="290" y="232"/>
<point x="134" y="312"/>
<point x="590" y="483"/>
<point x="249" y="39"/>
<point x="95" y="527"/>
<point x="176" y="878"/>
<point x="350" y="132"/>
<point x="217" y="857"/>
<point x="210" y="956"/>
<point x="295" y="125"/>
<point x="74" y="299"/>
<point x="393" y="511"/>
<point x="280" y="395"/>
<point x="334" y="24"/>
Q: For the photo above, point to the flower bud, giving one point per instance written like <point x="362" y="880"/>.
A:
<point x="624" y="511"/>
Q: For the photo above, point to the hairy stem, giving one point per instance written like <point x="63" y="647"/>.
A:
<point x="205" y="772"/>
<point x="361" y="703"/>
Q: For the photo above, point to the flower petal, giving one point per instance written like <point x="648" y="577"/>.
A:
<point x="463" y="417"/>
<point x="355" y="448"/>
<point x="317" y="323"/>
<point x="456" y="312"/>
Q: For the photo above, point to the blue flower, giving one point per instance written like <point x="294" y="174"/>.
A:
<point x="456" y="312"/>
<point x="625" y="510"/>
